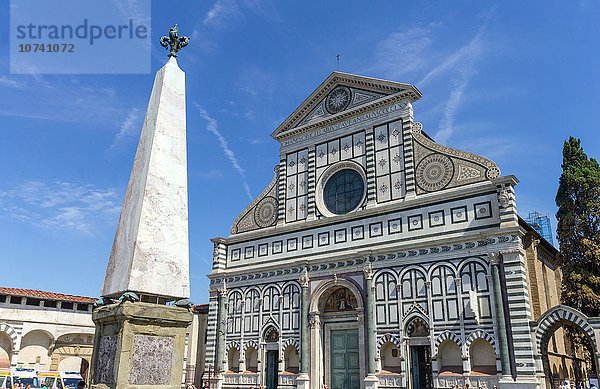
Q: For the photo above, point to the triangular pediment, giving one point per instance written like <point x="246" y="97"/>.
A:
<point x="340" y="95"/>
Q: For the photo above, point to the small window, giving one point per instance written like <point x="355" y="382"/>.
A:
<point x="66" y="305"/>
<point x="82" y="307"/>
<point x="50" y="303"/>
<point x="2" y="298"/>
<point x="33" y="302"/>
<point x="15" y="300"/>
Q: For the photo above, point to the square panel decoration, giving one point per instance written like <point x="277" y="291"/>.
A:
<point x="292" y="244"/>
<point x="375" y="229"/>
<point x="307" y="242"/>
<point x="105" y="362"/>
<point x="436" y="218"/>
<point x="358" y="232"/>
<point x="458" y="215"/>
<point x="483" y="210"/>
<point x="415" y="222"/>
<point x="235" y="254"/>
<point x="277" y="247"/>
<point x="323" y="238"/>
<point x="339" y="236"/>
<point x="249" y="252"/>
<point x="152" y="359"/>
<point x="263" y="249"/>
<point x="395" y="226"/>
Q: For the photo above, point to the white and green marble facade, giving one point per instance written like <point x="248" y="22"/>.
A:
<point x="436" y="232"/>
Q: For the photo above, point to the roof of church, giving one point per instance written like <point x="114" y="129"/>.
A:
<point x="547" y="245"/>
<point x="45" y="295"/>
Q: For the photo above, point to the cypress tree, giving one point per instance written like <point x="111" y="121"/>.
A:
<point x="578" y="231"/>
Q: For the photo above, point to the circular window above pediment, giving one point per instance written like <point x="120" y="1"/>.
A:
<point x="341" y="189"/>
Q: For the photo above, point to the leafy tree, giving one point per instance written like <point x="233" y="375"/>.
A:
<point x="578" y="231"/>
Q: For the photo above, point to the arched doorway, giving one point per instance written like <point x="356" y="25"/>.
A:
<point x="33" y="353"/>
<point x="6" y="346"/>
<point x="419" y="345"/>
<point x="566" y="346"/>
<point x="72" y="352"/>
<point x="337" y="337"/>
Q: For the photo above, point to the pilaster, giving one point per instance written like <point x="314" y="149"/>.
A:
<point x="499" y="307"/>
<point x="519" y="310"/>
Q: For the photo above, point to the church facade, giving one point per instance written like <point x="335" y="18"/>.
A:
<point x="378" y="258"/>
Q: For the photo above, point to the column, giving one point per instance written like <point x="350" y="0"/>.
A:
<point x="14" y="358"/>
<point x="317" y="371"/>
<point x="303" y="379"/>
<point x="371" y="380"/>
<point x="221" y="330"/>
<point x="461" y="314"/>
<point x="280" y="356"/>
<point x="403" y="353"/>
<point x="243" y="366"/>
<point x="499" y="308"/>
<point x="434" y="363"/>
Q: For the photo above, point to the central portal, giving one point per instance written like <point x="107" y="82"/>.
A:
<point x="271" y="369"/>
<point x="345" y="368"/>
<point x="420" y="357"/>
<point x="337" y="336"/>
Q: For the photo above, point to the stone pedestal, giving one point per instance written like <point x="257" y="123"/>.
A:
<point x="303" y="381"/>
<point x="138" y="345"/>
<point x="507" y="382"/>
<point x="371" y="381"/>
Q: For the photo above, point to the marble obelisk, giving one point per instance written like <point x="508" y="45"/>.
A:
<point x="141" y="343"/>
<point x="150" y="254"/>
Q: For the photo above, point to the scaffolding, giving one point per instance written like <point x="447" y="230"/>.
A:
<point x="541" y="223"/>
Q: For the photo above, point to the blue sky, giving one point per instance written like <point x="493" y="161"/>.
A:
<point x="508" y="80"/>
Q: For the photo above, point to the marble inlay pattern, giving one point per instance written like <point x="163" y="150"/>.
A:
<point x="105" y="362"/>
<point x="152" y="360"/>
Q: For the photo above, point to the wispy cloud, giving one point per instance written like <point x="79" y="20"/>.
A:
<point x="463" y="64"/>
<point x="62" y="99"/>
<point x="212" y="127"/>
<point x="60" y="205"/>
<point x="222" y="13"/>
<point x="415" y="49"/>
<point x="129" y="127"/>
<point x="411" y="48"/>
<point x="10" y="83"/>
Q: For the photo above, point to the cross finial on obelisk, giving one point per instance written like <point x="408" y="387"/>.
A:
<point x="175" y="41"/>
